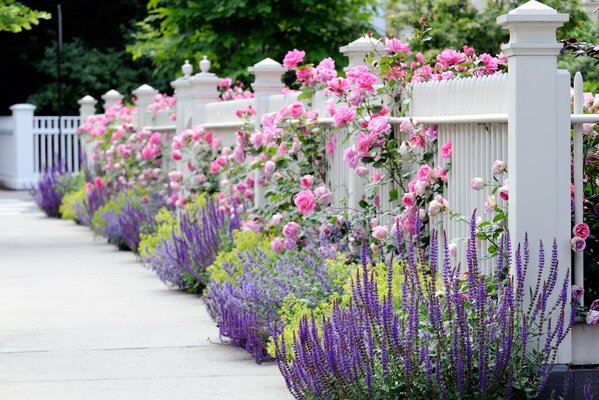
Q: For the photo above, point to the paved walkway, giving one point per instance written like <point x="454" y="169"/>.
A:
<point x="80" y="320"/>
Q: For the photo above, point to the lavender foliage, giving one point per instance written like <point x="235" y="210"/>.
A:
<point x="463" y="339"/>
<point x="246" y="309"/>
<point x="48" y="191"/>
<point x="181" y="260"/>
<point x="85" y="210"/>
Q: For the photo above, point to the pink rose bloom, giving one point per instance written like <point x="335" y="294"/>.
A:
<point x="325" y="71"/>
<point x="176" y="155"/>
<point x="330" y="105"/>
<point x="376" y="176"/>
<point x="338" y="86"/>
<point x="393" y="46"/>
<point x="578" y="244"/>
<point x="351" y="157"/>
<point x="380" y="233"/>
<point x="581" y="230"/>
<point x="269" y="167"/>
<point x="489" y="61"/>
<point x="592" y="317"/>
<point x="424" y="173"/>
<point x="296" y="109"/>
<point x="355" y="72"/>
<point x="293" y="57"/>
<point x="361" y="171"/>
<point x="277" y="245"/>
<point x="504" y="193"/>
<point x="305" y="202"/>
<point x="366" y="82"/>
<point x="446" y="150"/>
<point x="323" y="194"/>
<point x="378" y="125"/>
<point x="155" y="138"/>
<point x="450" y="57"/>
<point x="291" y="230"/>
<point x="577" y="293"/>
<point x="148" y="152"/>
<point x="276" y="219"/>
<point x="498" y="167"/>
<point x="453" y="250"/>
<point x="307" y="181"/>
<point x="364" y="143"/>
<point x="406" y="126"/>
<point x="343" y="115"/>
<point x="477" y="183"/>
<point x="490" y="204"/>
<point x="99" y="182"/>
<point x="409" y="199"/>
<point x="306" y="75"/>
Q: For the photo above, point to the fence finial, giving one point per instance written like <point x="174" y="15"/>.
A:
<point x="205" y="65"/>
<point x="204" y="90"/>
<point x="87" y="107"/>
<point x="187" y="69"/>
<point x="111" y="98"/>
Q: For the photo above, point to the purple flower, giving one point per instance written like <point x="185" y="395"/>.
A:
<point x="577" y="293"/>
<point x="578" y="244"/>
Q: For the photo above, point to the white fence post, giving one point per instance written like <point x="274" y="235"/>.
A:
<point x="24" y="174"/>
<point x="111" y="98"/>
<point x="144" y="96"/>
<point x="539" y="139"/>
<point x="182" y="88"/>
<point x="87" y="107"/>
<point x="204" y="90"/>
<point x="356" y="53"/>
<point x="268" y="74"/>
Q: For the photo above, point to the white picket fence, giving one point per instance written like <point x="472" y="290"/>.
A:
<point x="29" y="144"/>
<point x="523" y="117"/>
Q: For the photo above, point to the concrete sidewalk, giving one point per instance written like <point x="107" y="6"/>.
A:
<point x="80" y="320"/>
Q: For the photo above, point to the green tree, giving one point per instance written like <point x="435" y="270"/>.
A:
<point x="455" y="23"/>
<point x="15" y="16"/>
<point x="238" y="33"/>
<point x="89" y="71"/>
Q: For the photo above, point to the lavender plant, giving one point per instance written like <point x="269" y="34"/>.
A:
<point x="181" y="259"/>
<point x="125" y="217"/>
<point x="247" y="305"/>
<point x="451" y="337"/>
<point x="95" y="197"/>
<point x="47" y="193"/>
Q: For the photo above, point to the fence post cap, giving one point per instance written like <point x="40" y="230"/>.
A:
<point x="112" y="95"/>
<point x="85" y="100"/>
<point x="268" y="64"/>
<point x="145" y="90"/>
<point x="533" y="11"/>
<point x="362" y="44"/>
<point x="22" y="107"/>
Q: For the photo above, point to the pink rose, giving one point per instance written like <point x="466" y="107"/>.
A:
<point x="99" y="182"/>
<point x="269" y="167"/>
<point x="324" y="195"/>
<point x="578" y="244"/>
<point x="276" y="219"/>
<point x="296" y="109"/>
<point x="409" y="199"/>
<point x="355" y="72"/>
<point x="306" y="75"/>
<point x="577" y="293"/>
<point x="293" y="57"/>
<point x="477" y="183"/>
<point x="338" y="86"/>
<point x="364" y="143"/>
<point x="406" y="126"/>
<point x="498" y="167"/>
<point x="277" y="245"/>
<point x="305" y="202"/>
<point x="450" y="57"/>
<point x="581" y="230"/>
<point x="378" y="125"/>
<point x="366" y="82"/>
<point x="176" y="155"/>
<point x="291" y="230"/>
<point x="351" y="157"/>
<point x="307" y="181"/>
<point x="343" y="115"/>
<point x="361" y="171"/>
<point x="446" y="150"/>
<point x="453" y="250"/>
<point x="380" y="233"/>
<point x="504" y="193"/>
<point x="376" y="176"/>
<point x="393" y="46"/>
<point x="592" y="317"/>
